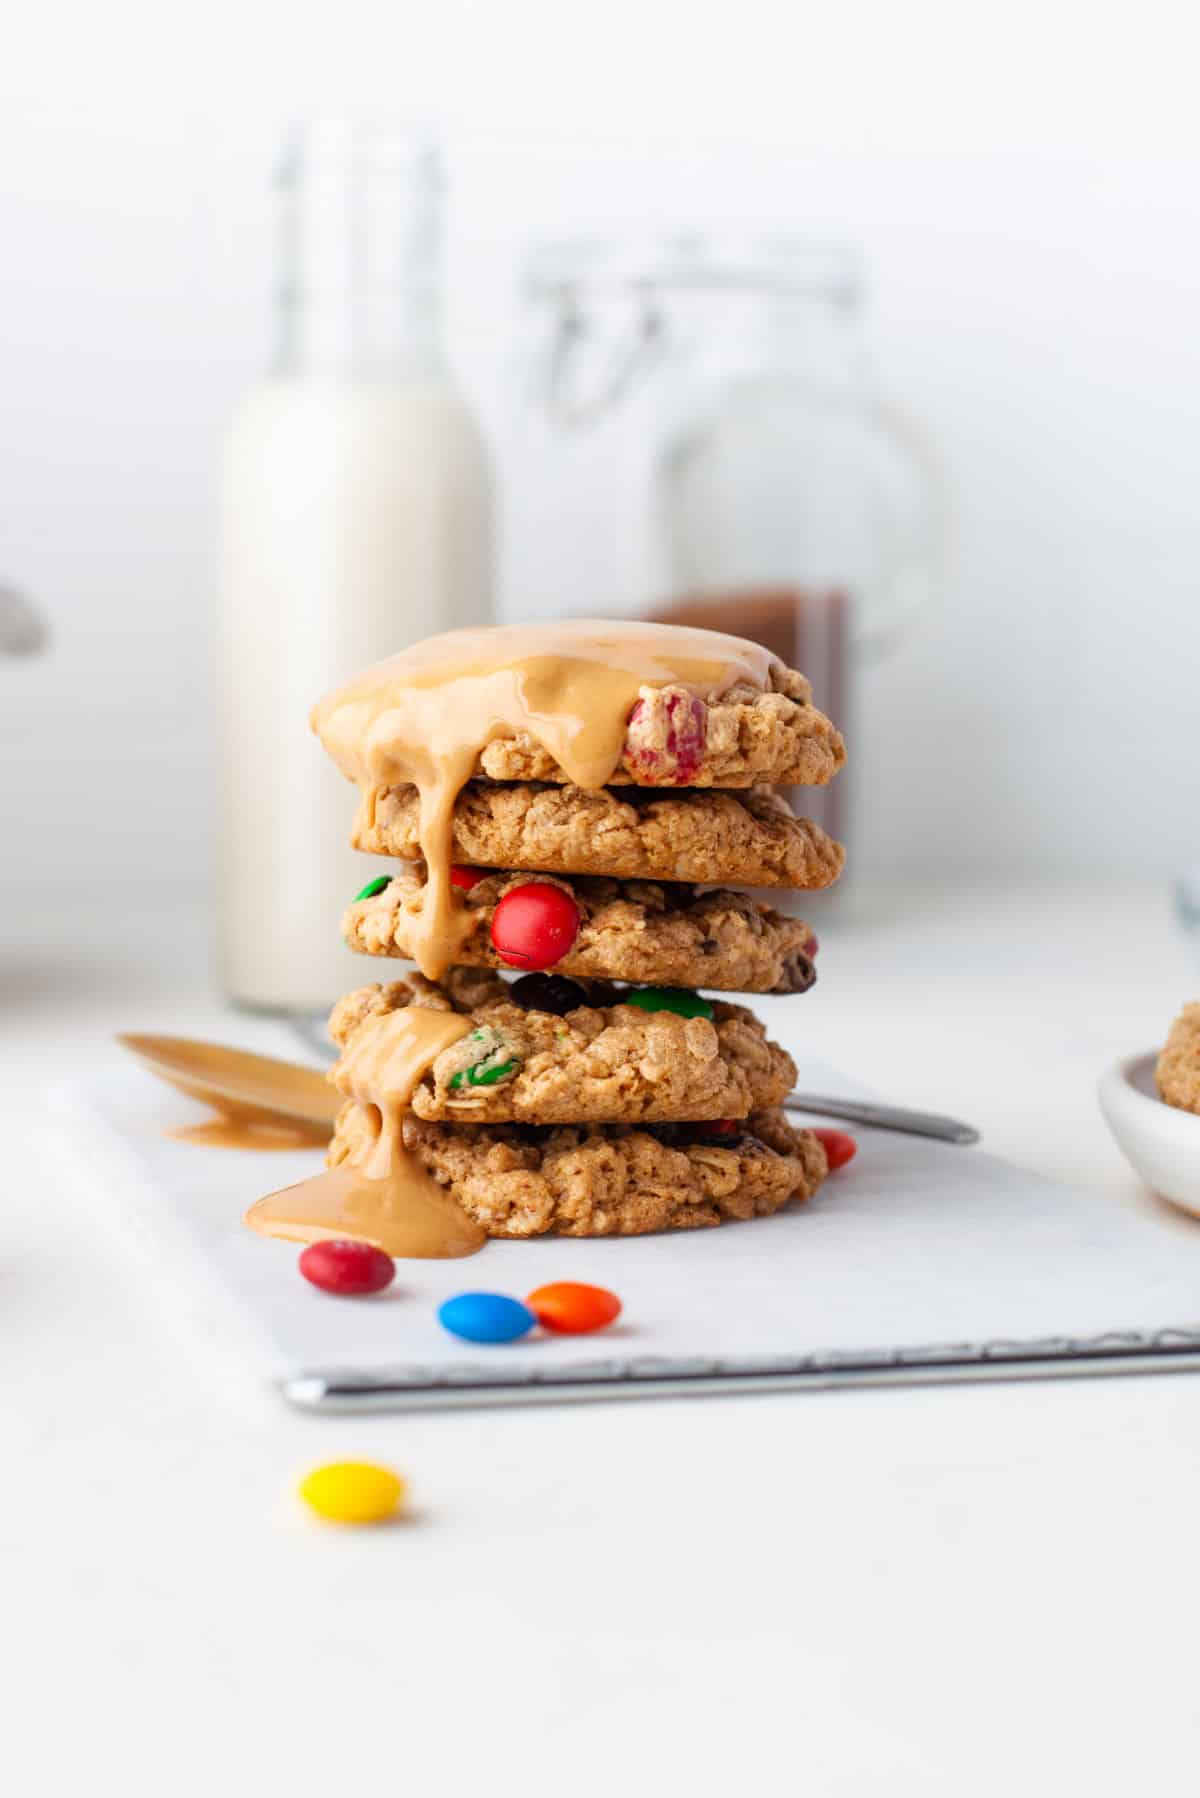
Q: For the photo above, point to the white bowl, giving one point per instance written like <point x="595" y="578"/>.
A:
<point x="1158" y="1140"/>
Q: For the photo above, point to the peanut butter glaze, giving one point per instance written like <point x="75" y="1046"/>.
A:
<point x="422" y="718"/>
<point x="389" y="1200"/>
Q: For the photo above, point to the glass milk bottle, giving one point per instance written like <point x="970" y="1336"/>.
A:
<point x="356" y="515"/>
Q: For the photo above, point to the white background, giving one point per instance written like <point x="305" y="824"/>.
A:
<point x="1022" y="180"/>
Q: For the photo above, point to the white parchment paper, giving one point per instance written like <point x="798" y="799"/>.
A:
<point x="914" y="1244"/>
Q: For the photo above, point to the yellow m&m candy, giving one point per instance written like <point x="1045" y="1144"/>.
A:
<point x="353" y="1492"/>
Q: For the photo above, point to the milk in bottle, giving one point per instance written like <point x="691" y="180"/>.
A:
<point x="356" y="513"/>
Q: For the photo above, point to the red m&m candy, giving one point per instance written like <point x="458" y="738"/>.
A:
<point x="839" y="1148"/>
<point x="719" y="1127"/>
<point x="572" y="1309"/>
<point x="466" y="878"/>
<point x="534" y="925"/>
<point x="347" y="1267"/>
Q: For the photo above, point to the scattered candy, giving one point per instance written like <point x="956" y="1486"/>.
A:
<point x="534" y="925"/>
<point x="670" y="998"/>
<point x="466" y="878"/>
<point x="839" y="1148"/>
<point x="373" y="886"/>
<point x="353" y="1492"/>
<point x="572" y="1309"/>
<point x="346" y="1267"/>
<point x="811" y="944"/>
<point x="548" y="992"/>
<point x="666" y="736"/>
<point x="486" y="1317"/>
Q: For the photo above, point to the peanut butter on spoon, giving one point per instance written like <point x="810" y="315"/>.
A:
<point x="260" y="1102"/>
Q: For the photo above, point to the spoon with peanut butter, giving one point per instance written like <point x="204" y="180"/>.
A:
<point x="260" y="1102"/>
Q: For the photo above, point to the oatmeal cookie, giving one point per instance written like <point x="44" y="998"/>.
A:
<point x="604" y="1180"/>
<point x="630" y="833"/>
<point x="636" y="930"/>
<point x="548" y="1049"/>
<point x="1178" y="1069"/>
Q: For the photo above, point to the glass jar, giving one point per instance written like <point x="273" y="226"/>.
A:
<point x="702" y="441"/>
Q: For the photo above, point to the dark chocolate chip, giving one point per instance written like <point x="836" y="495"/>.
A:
<point x="548" y="992"/>
<point x="691" y="1136"/>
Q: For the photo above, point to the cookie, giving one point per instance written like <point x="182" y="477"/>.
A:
<point x="667" y="706"/>
<point x="673" y="739"/>
<point x="550" y="1050"/>
<point x="752" y="838"/>
<point x="639" y="931"/>
<point x="1177" y="1072"/>
<point x="604" y="1180"/>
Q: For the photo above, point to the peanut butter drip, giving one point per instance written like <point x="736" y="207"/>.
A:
<point x="406" y="1216"/>
<point x="390" y="1200"/>
<point x="261" y="1103"/>
<point x="423" y="717"/>
<point x="384" y="1062"/>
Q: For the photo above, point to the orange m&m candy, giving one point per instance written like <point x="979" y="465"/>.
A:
<point x="572" y="1309"/>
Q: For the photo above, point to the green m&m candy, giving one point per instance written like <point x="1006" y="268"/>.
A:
<point x="670" y="998"/>
<point x="372" y="887"/>
<point x="492" y="1061"/>
<point x="482" y="1075"/>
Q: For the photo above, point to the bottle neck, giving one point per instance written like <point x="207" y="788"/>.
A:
<point x="360" y="253"/>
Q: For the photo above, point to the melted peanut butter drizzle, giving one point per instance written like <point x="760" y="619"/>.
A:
<point x="384" y="1062"/>
<point x="423" y="717"/>
<point x="389" y="1200"/>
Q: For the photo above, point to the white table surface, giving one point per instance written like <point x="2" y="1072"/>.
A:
<point x="968" y="1590"/>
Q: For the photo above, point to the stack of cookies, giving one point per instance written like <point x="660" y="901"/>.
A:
<point x="598" y="1083"/>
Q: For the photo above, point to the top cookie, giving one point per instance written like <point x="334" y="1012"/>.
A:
<point x="587" y="703"/>
<point x="1178" y="1069"/>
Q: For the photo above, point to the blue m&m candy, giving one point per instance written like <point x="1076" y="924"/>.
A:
<point x="486" y="1317"/>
